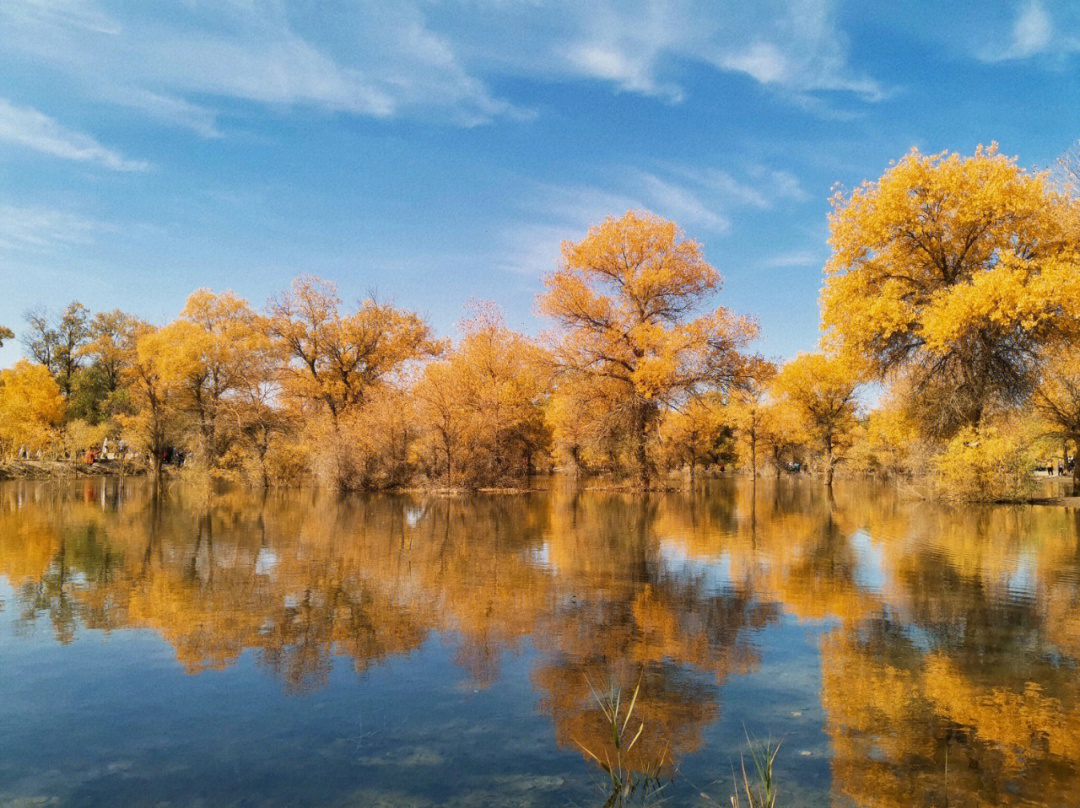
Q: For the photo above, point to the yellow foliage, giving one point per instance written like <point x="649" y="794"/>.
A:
<point x="334" y="358"/>
<point x="820" y="391"/>
<point x="987" y="464"/>
<point x="31" y="408"/>
<point x="696" y="433"/>
<point x="624" y="298"/>
<point x="1057" y="398"/>
<point x="958" y="271"/>
<point x="481" y="407"/>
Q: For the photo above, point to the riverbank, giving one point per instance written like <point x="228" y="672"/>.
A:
<point x="59" y="469"/>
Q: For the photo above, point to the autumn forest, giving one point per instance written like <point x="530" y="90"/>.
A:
<point x="950" y="308"/>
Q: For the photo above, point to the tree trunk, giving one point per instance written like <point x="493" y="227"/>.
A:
<point x="641" y="455"/>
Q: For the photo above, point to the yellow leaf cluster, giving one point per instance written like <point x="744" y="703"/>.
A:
<point x="959" y="270"/>
<point x="31" y="408"/>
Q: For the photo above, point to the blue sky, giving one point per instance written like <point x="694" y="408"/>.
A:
<point x="438" y="150"/>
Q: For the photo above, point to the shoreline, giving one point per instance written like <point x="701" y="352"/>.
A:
<point x="61" y="470"/>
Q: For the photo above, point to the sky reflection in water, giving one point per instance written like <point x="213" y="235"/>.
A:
<point x="305" y="649"/>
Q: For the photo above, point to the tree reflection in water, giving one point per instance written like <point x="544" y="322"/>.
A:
<point x="954" y="634"/>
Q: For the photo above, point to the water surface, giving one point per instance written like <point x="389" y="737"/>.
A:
<point x="306" y="649"/>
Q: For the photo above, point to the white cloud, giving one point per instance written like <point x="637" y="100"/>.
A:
<point x="683" y="204"/>
<point x="1035" y="28"/>
<point x="1032" y="30"/>
<point x="787" y="186"/>
<point x="25" y="126"/>
<point x="386" y="58"/>
<point x="199" y="119"/>
<point x="762" y="61"/>
<point x="703" y="202"/>
<point x="762" y="189"/>
<point x="797" y="258"/>
<point x="36" y="229"/>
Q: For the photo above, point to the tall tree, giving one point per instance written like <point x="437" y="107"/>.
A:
<point x="625" y="299"/>
<point x="58" y="343"/>
<point x="5" y="333"/>
<point x="210" y="343"/>
<point x="955" y="271"/>
<point x="748" y="405"/>
<point x="1057" y="399"/>
<point x="482" y="404"/>
<point x="335" y="358"/>
<point x="41" y="338"/>
<point x="821" y="392"/>
<point x="98" y="392"/>
<point x="109" y="341"/>
<point x="31" y="408"/>
<point x="153" y="424"/>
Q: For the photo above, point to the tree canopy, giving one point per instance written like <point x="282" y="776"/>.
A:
<point x="957" y="272"/>
<point x="625" y="299"/>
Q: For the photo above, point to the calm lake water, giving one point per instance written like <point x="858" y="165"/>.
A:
<point x="305" y="649"/>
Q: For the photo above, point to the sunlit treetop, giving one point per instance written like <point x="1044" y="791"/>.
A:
<point x="336" y="357"/>
<point x="955" y="269"/>
<point x="625" y="296"/>
<point x="628" y="299"/>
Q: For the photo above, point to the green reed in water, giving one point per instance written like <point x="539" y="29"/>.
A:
<point x="632" y="783"/>
<point x="762" y="794"/>
<point x="760" y="790"/>
<point x="627" y="781"/>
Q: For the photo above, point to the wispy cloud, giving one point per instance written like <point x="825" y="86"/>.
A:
<point x="702" y="201"/>
<point x="170" y="109"/>
<point x="25" y="126"/>
<point x="374" y="58"/>
<point x="643" y="46"/>
<point x="796" y="258"/>
<point x="1036" y="28"/>
<point x="683" y="204"/>
<point x="1032" y="30"/>
<point x="36" y="229"/>
<point x="388" y="58"/>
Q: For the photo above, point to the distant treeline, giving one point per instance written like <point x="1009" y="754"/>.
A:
<point x="954" y="283"/>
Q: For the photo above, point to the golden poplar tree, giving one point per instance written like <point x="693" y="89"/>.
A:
<point x="821" y="393"/>
<point x="955" y="272"/>
<point x="482" y="405"/>
<point x="625" y="299"/>
<point x="31" y="408"/>
<point x="334" y="358"/>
